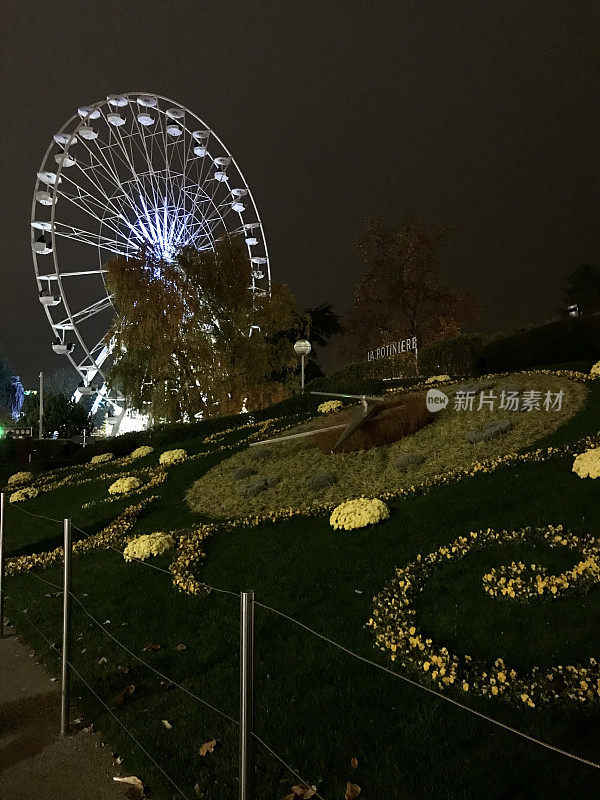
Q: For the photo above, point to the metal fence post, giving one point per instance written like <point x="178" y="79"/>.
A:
<point x="64" y="709"/>
<point x="246" y="696"/>
<point x="2" y="499"/>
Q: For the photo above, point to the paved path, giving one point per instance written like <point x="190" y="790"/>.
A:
<point x="35" y="762"/>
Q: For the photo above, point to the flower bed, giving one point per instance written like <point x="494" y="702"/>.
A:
<point x="141" y="452"/>
<point x="106" y="538"/>
<point x="396" y="628"/>
<point x="125" y="485"/>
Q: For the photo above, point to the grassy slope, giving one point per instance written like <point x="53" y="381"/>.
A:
<point x="315" y="706"/>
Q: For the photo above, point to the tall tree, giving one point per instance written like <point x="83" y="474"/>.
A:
<point x="583" y="288"/>
<point x="400" y="293"/>
<point x="189" y="336"/>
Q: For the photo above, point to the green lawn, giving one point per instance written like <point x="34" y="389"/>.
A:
<point x="317" y="707"/>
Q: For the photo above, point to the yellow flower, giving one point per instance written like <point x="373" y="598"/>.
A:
<point x="329" y="406"/>
<point x="173" y="456"/>
<point x="125" y="485"/>
<point x="358" y="514"/>
<point x="152" y="544"/>
<point x="100" y="459"/>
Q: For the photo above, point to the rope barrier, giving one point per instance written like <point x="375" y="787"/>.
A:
<point x="433" y="691"/>
<point x="286" y="765"/>
<point x="150" y="667"/>
<point x="52" y="645"/>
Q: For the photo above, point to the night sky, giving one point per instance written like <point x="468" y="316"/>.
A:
<point x="480" y="116"/>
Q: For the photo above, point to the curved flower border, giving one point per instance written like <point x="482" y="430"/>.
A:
<point x="397" y="633"/>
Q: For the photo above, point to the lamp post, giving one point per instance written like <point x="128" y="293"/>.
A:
<point x="302" y="348"/>
<point x="41" y="421"/>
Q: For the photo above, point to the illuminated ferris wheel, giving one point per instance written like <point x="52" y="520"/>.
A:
<point x="133" y="171"/>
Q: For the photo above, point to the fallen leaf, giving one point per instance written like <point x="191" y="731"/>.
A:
<point x="352" y="791"/>
<point x="167" y="724"/>
<point x="135" y="788"/>
<point x="123" y="669"/>
<point x="127" y="692"/>
<point x="103" y="660"/>
<point x="197" y="789"/>
<point x="89" y="728"/>
<point x="301" y="792"/>
<point x="354" y="763"/>
<point x="151" y="647"/>
<point x="181" y="647"/>
<point x="166" y="684"/>
<point x="207" y="747"/>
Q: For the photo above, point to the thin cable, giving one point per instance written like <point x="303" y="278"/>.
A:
<point x="433" y="691"/>
<point x="153" y="566"/>
<point x="287" y="766"/>
<point x="38" y="516"/>
<point x="150" y="667"/>
<point x="128" y="732"/>
<point x="51" y="645"/>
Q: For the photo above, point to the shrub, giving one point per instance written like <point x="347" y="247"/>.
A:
<point x="586" y="465"/>
<point x="320" y="480"/>
<point x="438" y="379"/>
<point x="257" y="486"/>
<point x="149" y="544"/>
<point x="261" y="453"/>
<point x="489" y="431"/>
<point x="358" y="514"/>
<point x="20" y="479"/>
<point x="173" y="457"/>
<point x="460" y="355"/>
<point x="407" y="460"/>
<point x="101" y="458"/>
<point x="595" y="370"/>
<point x="124" y="485"/>
<point x="141" y="452"/>
<point x="558" y="342"/>
<point x="329" y="406"/>
<point x="399" y="416"/>
<point x="244" y="472"/>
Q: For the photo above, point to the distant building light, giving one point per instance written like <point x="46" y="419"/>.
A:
<point x="574" y="310"/>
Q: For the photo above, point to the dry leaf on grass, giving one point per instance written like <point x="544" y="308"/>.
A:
<point x="166" y="684"/>
<point x="301" y="792"/>
<point x="103" y="660"/>
<point x="135" y="788"/>
<point x="123" y="669"/>
<point x="352" y="791"/>
<point x="167" y="724"/>
<point x="354" y="763"/>
<point x="207" y="747"/>
<point x="127" y="692"/>
<point x="151" y="646"/>
<point x="181" y="647"/>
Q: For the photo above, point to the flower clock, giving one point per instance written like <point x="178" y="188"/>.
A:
<point x="397" y="632"/>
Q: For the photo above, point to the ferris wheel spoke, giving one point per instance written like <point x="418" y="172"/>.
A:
<point x="87" y="237"/>
<point x="85" y="313"/>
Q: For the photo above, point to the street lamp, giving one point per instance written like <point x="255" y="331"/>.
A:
<point x="302" y="348"/>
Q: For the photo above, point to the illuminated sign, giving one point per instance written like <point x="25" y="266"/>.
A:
<point x="402" y="346"/>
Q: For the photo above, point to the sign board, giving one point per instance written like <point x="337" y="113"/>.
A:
<point x="402" y="346"/>
<point x="17" y="433"/>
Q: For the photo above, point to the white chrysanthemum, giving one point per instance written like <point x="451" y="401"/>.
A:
<point x="173" y="457"/>
<point x="100" y="459"/>
<point x="595" y="370"/>
<point x="23" y="494"/>
<point x="358" y="514"/>
<point x="125" y="485"/>
<point x="20" y="478"/>
<point x="587" y="465"/>
<point x="438" y="379"/>
<point x="329" y="406"/>
<point x="141" y="452"/>
<point x="149" y="544"/>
